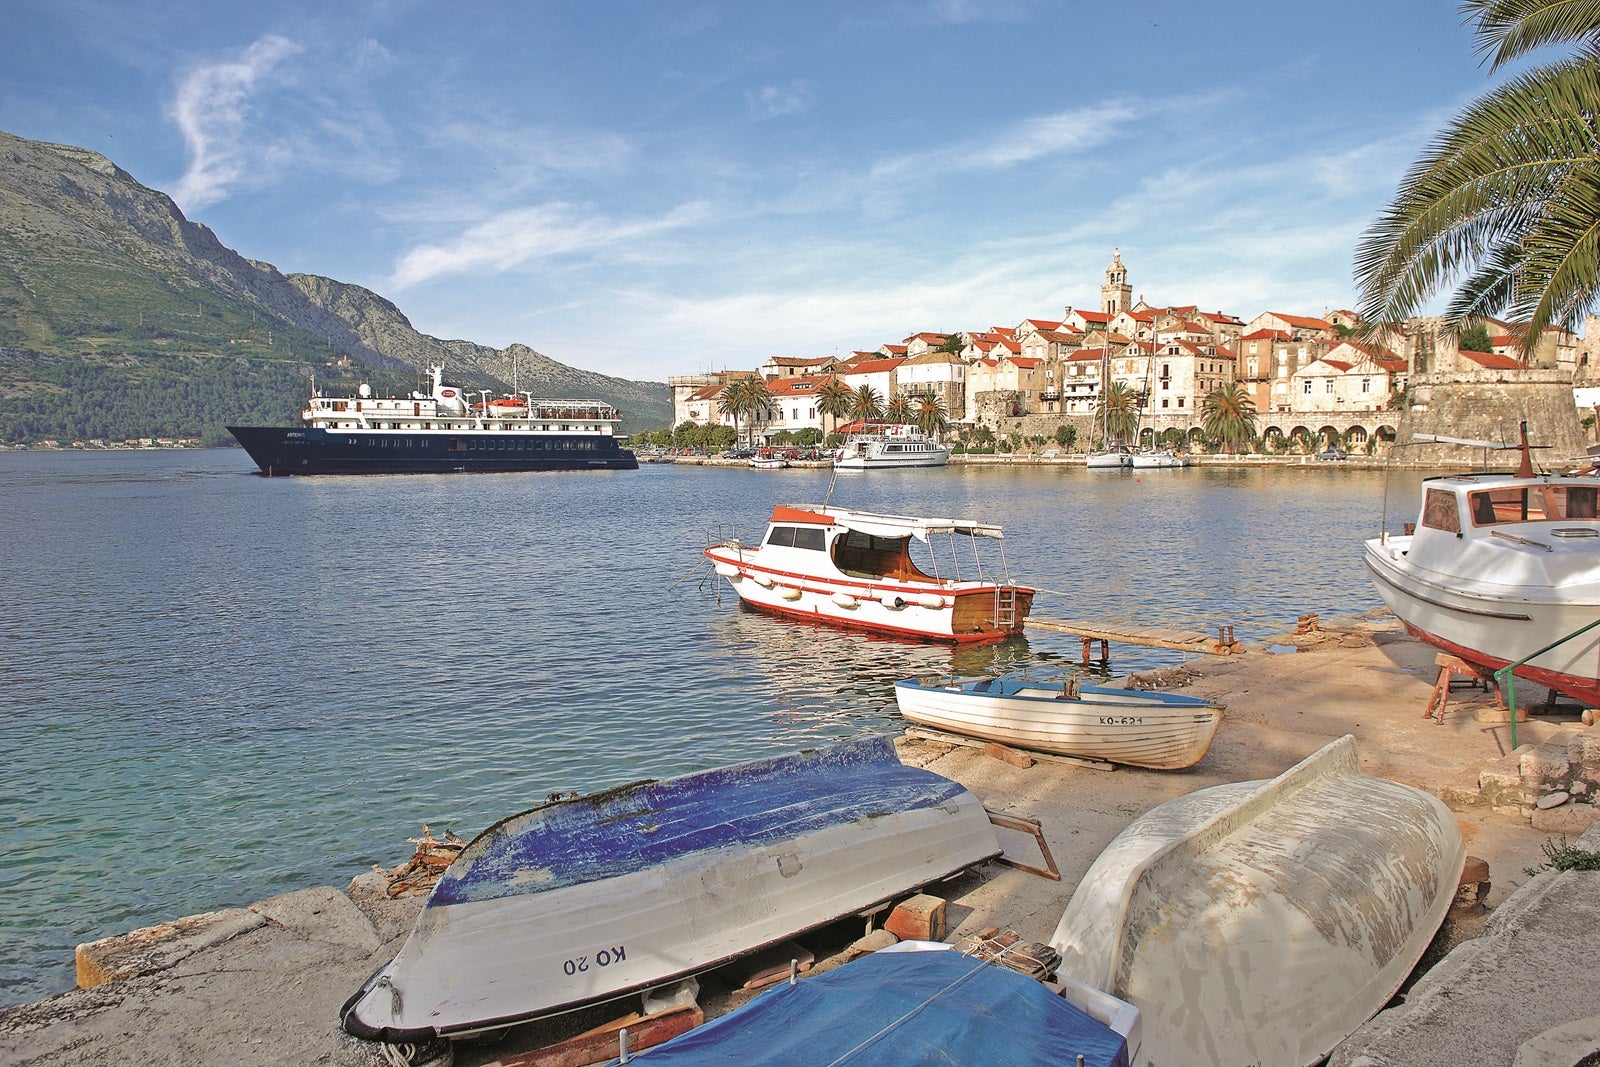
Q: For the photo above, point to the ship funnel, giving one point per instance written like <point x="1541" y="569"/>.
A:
<point x="448" y="397"/>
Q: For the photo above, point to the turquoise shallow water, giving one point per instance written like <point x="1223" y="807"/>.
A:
<point x="218" y="687"/>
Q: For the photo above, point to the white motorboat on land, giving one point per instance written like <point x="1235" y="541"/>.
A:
<point x="1164" y="731"/>
<point x="855" y="569"/>
<point x="580" y="901"/>
<point x="1498" y="567"/>
<point x="1117" y="458"/>
<point x="1157" y="459"/>
<point x="883" y="446"/>
<point x="913" y="1004"/>
<point x="1263" y="922"/>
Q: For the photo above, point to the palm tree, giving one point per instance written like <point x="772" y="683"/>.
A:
<point x="759" y="404"/>
<point x="1504" y="204"/>
<point x="1228" y="414"/>
<point x="898" y="410"/>
<point x="745" y="397"/>
<point x="835" y="400"/>
<point x="731" y="402"/>
<point x="1119" y="411"/>
<point x="867" y="406"/>
<point x="931" y="417"/>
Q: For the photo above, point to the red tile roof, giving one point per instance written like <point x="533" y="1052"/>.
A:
<point x="1491" y="361"/>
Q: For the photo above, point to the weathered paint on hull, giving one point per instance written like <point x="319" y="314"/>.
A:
<point x="580" y="901"/>
<point x="1263" y="922"/>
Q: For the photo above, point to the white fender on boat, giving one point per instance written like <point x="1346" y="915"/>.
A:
<point x="845" y="600"/>
<point x="788" y="592"/>
<point x="892" y="601"/>
<point x="728" y="571"/>
<point x="931" y="600"/>
<point x="762" y="580"/>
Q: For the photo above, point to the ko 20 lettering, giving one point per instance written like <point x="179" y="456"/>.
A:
<point x="603" y="958"/>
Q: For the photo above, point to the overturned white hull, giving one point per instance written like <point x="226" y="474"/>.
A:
<point x="1263" y="922"/>
<point x="579" y="901"/>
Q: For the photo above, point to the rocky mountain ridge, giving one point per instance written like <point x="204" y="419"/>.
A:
<point x="98" y="269"/>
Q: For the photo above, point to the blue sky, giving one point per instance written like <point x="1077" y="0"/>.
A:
<point x="647" y="189"/>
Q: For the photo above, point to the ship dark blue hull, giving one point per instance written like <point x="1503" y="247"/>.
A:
<point x="283" y="451"/>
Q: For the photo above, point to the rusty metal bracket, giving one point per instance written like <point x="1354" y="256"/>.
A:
<point x="1027" y="826"/>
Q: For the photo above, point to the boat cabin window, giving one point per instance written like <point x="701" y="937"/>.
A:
<point x="1439" y="511"/>
<point x="810" y="537"/>
<point x="1540" y="503"/>
<point x="871" y="556"/>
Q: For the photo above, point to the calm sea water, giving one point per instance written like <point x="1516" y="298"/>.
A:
<point x="218" y="687"/>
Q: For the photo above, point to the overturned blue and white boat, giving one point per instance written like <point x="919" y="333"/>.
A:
<point x="580" y="901"/>
<point x="917" y="1003"/>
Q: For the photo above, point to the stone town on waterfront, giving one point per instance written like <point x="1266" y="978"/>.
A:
<point x="1311" y="383"/>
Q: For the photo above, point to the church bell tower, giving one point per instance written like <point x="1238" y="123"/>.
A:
<point x="1116" y="295"/>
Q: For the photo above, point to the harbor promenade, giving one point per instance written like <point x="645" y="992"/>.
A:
<point x="262" y="984"/>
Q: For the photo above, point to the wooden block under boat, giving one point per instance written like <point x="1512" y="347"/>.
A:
<point x="760" y="969"/>
<point x="603" y="1042"/>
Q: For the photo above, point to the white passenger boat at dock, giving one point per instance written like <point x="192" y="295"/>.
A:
<point x="1501" y="566"/>
<point x="885" y="446"/>
<point x="1162" y="731"/>
<point x="855" y="569"/>
<point x="1263" y="922"/>
<point x="580" y="901"/>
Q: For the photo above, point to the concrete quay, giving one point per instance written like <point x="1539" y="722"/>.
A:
<point x="263" y="984"/>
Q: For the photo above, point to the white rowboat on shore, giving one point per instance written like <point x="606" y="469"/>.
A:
<point x="1165" y="731"/>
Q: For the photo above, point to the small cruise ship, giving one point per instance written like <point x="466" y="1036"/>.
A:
<point x="886" y="445"/>
<point x="439" y="432"/>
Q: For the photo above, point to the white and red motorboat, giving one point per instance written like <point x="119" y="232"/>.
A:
<point x="856" y="569"/>
<point x="1499" y="567"/>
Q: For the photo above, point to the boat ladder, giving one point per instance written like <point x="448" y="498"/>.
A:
<point x="1005" y="606"/>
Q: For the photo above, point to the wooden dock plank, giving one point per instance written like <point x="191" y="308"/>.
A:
<point x="1149" y="636"/>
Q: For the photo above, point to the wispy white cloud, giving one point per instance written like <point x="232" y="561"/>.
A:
<point x="960" y="12"/>
<point x="512" y="238"/>
<point x="210" y="107"/>
<point x="1022" y="141"/>
<point x="776" y="101"/>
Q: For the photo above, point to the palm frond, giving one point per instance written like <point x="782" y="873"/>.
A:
<point x="1509" y="29"/>
<point x="1502" y="201"/>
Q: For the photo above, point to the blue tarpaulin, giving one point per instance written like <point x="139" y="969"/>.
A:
<point x="901" y="1009"/>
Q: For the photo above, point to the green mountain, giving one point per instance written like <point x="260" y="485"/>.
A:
<point x="121" y="318"/>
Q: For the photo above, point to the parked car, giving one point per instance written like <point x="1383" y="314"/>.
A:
<point x="1332" y="453"/>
